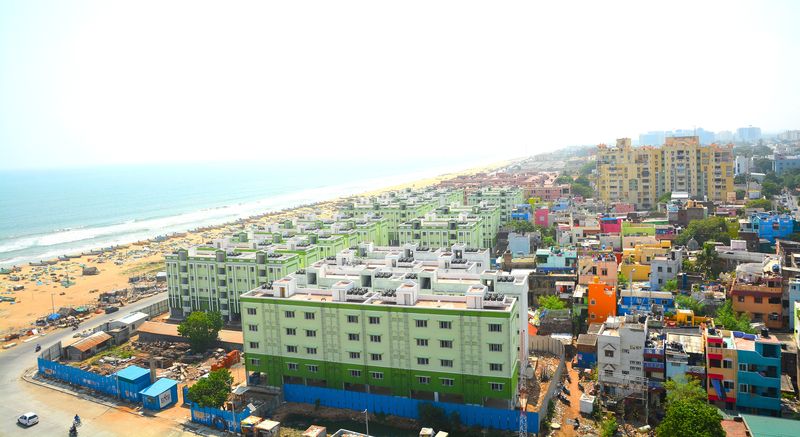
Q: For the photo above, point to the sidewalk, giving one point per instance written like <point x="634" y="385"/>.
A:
<point x="32" y="376"/>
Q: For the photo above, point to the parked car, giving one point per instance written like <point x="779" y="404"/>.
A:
<point x="28" y="419"/>
<point x="110" y="310"/>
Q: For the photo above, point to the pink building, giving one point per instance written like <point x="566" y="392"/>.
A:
<point x="541" y="217"/>
<point x="610" y="225"/>
<point x="624" y="208"/>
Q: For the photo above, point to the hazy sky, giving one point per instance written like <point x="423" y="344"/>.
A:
<point x="109" y="82"/>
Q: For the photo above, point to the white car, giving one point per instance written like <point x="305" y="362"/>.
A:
<point x="28" y="419"/>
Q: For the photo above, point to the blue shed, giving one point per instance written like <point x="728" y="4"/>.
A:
<point x="162" y="394"/>
<point x="132" y="380"/>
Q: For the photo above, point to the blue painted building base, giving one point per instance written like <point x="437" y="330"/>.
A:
<point x="406" y="407"/>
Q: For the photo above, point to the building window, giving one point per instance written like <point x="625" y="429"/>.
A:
<point x="376" y="357"/>
<point x="253" y="345"/>
<point x="446" y="363"/>
<point x="423" y="379"/>
<point x="742" y="367"/>
<point x="355" y="355"/>
<point x="311" y="333"/>
<point x="313" y="368"/>
<point x="374" y="320"/>
<point x="291" y="349"/>
<point x="758" y="299"/>
<point x="447" y="382"/>
<point x="309" y="316"/>
<point x="291" y="331"/>
<point x="728" y="384"/>
<point x="609" y="354"/>
<point x="355" y="373"/>
<point x="448" y="344"/>
<point x="255" y="361"/>
<point x="496" y="386"/>
<point x="421" y="323"/>
<point x="727" y="364"/>
<point x="495" y="367"/>
<point x="311" y="350"/>
<point x="376" y="375"/>
<point x="609" y="372"/>
<point x="422" y="342"/>
<point x="743" y="388"/>
<point x="422" y="361"/>
<point x="495" y="347"/>
<point x="291" y="366"/>
<point x="352" y="337"/>
<point x="495" y="327"/>
<point x="740" y="298"/>
<point x="352" y="319"/>
<point x="251" y="311"/>
<point x="288" y="314"/>
<point x="252" y="328"/>
<point x="445" y="325"/>
<point x="375" y="338"/>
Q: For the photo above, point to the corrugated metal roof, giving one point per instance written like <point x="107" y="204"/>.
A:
<point x="131" y="318"/>
<point x="91" y="341"/>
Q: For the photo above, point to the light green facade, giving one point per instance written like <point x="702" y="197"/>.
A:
<point x="481" y="360"/>
<point x="441" y="233"/>
<point x="506" y="197"/>
<point x="210" y="279"/>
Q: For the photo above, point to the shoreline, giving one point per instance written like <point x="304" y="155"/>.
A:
<point x="43" y="289"/>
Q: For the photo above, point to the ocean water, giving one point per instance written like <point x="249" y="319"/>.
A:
<point x="47" y="213"/>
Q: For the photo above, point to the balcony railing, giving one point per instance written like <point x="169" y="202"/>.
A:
<point x="653" y="351"/>
<point x="653" y="365"/>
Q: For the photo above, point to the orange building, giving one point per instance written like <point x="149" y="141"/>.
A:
<point x="602" y="301"/>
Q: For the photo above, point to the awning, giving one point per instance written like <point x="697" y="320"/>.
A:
<point x="718" y="389"/>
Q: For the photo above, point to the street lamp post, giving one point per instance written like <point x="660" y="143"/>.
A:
<point x="366" y="417"/>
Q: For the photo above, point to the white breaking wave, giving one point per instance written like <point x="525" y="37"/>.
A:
<point x="58" y="243"/>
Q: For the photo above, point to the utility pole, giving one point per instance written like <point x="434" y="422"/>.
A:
<point x="53" y="301"/>
<point x="366" y="417"/>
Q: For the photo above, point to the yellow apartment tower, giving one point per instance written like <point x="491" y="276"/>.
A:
<point x="640" y="175"/>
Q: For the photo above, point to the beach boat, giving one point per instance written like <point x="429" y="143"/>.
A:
<point x="38" y="264"/>
<point x="4" y="271"/>
<point x="63" y="258"/>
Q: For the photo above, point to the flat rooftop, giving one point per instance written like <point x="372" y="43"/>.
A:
<point x="446" y="302"/>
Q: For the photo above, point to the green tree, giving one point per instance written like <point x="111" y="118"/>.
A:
<point x="548" y="241"/>
<point x="707" y="262"/>
<point x="769" y="189"/>
<point x="608" y="427"/>
<point x="708" y="229"/>
<point x="728" y="319"/>
<point x="759" y="203"/>
<point x="684" y="387"/>
<point x="740" y="194"/>
<point x="664" y="198"/>
<point x="582" y="190"/>
<point x="622" y="280"/>
<point x="587" y="168"/>
<point x="522" y="226"/>
<point x="671" y="285"/>
<point x="762" y="165"/>
<point x="690" y="303"/>
<point x="739" y="179"/>
<point x="691" y="419"/>
<point x="551" y="302"/>
<point x="201" y="329"/>
<point x="212" y="391"/>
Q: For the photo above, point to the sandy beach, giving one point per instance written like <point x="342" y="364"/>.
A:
<point x="44" y="285"/>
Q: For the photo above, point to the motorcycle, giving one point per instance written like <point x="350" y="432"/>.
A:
<point x="73" y="431"/>
<point x="38" y="348"/>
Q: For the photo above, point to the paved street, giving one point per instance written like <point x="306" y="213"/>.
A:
<point x="57" y="409"/>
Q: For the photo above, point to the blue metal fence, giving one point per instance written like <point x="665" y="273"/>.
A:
<point x="73" y="375"/>
<point x="220" y="419"/>
<point x="404" y="407"/>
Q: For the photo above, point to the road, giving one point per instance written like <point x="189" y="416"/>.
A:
<point x="57" y="409"/>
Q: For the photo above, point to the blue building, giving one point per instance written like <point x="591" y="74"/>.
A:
<point x="759" y="374"/>
<point x="785" y="163"/>
<point x="522" y="212"/>
<point x="162" y="394"/>
<point x="555" y="259"/>
<point x="642" y="301"/>
<point x="770" y="226"/>
<point x="131" y="381"/>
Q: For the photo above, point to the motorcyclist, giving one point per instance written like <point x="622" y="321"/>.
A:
<point x="77" y="419"/>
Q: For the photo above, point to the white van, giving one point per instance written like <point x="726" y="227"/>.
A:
<point x="28" y="419"/>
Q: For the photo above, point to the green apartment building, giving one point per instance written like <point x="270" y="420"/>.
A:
<point x="441" y="232"/>
<point x="506" y="197"/>
<point x="210" y="279"/>
<point x="462" y="349"/>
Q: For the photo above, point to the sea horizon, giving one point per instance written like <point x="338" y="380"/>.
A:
<point x="108" y="206"/>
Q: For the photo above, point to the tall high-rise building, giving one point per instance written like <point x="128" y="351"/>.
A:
<point x="640" y="175"/>
<point x="748" y="134"/>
